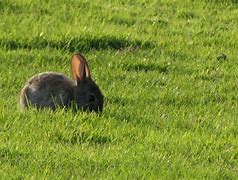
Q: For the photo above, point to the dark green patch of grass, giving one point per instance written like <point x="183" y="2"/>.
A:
<point x="78" y="137"/>
<point x="146" y="67"/>
<point x="12" y="156"/>
<point x="83" y="44"/>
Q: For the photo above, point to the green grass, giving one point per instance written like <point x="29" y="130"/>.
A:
<point x="168" y="70"/>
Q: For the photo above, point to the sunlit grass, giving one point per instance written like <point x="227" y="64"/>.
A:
<point x="168" y="70"/>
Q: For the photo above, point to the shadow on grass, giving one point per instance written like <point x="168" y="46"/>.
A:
<point x="13" y="157"/>
<point x="146" y="67"/>
<point x="223" y="2"/>
<point x="10" y="7"/>
<point x="78" y="137"/>
<point x="130" y="22"/>
<point x="85" y="43"/>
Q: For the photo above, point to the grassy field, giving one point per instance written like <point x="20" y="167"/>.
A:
<point x="168" y="70"/>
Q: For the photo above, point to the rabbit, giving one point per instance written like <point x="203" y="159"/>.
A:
<point x="53" y="90"/>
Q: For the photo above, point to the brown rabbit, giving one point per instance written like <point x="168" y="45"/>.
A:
<point x="52" y="90"/>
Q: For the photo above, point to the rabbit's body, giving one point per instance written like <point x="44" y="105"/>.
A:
<point x="47" y="89"/>
<point x="52" y="90"/>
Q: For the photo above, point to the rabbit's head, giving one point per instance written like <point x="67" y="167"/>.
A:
<point x="87" y="94"/>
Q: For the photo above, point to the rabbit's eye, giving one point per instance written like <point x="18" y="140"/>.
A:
<point x="91" y="98"/>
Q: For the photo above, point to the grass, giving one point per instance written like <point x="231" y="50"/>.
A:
<point x="168" y="70"/>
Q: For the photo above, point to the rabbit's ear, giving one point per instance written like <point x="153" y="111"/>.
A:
<point x="87" y="71"/>
<point x="78" y="68"/>
<point x="88" y="74"/>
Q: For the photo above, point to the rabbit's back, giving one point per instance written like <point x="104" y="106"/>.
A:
<point x="47" y="89"/>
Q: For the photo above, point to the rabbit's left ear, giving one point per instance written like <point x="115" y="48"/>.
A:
<point x="79" y="68"/>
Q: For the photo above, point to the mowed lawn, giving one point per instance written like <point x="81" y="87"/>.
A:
<point x="169" y="73"/>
